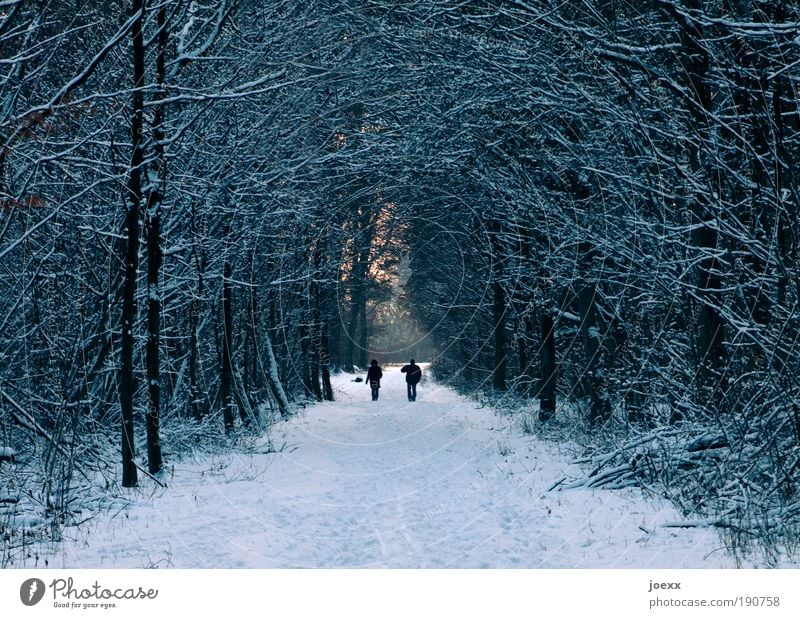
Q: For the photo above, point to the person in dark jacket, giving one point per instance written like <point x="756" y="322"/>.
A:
<point x="374" y="376"/>
<point x="413" y="376"/>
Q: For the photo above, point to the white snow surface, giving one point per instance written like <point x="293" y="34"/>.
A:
<point x="436" y="483"/>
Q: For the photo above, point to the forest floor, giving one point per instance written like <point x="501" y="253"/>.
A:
<point x="440" y="482"/>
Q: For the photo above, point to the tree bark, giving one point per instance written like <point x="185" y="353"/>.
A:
<point x="500" y="338"/>
<point x="593" y="380"/>
<point x="226" y="382"/>
<point x="363" y="332"/>
<point x="198" y="404"/>
<point x="325" y="357"/>
<point x="710" y="332"/>
<point x="155" y="196"/>
<point x="127" y="379"/>
<point x="306" y="356"/>
<point x="549" y="378"/>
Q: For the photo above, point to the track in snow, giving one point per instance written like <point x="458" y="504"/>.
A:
<point x="434" y="483"/>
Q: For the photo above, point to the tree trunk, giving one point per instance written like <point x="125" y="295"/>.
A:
<point x="306" y="357"/>
<point x="363" y="332"/>
<point x="127" y="380"/>
<point x="357" y="301"/>
<point x="226" y="383"/>
<point x="348" y="362"/>
<point x="254" y="379"/>
<point x="500" y="338"/>
<point x="316" y="331"/>
<point x="710" y="328"/>
<point x="593" y="380"/>
<point x="155" y="197"/>
<point x="523" y="362"/>
<point x="153" y="226"/>
<point x="327" y="388"/>
<point x="198" y="404"/>
<point x="274" y="381"/>
<point x="499" y="308"/>
<point x="547" y="401"/>
<point x="315" y="364"/>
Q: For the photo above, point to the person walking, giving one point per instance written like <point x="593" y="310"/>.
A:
<point x="413" y="376"/>
<point x="374" y="376"/>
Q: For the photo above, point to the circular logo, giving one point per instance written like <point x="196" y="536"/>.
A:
<point x="31" y="591"/>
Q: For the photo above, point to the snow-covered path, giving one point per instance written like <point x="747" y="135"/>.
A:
<point x="434" y="483"/>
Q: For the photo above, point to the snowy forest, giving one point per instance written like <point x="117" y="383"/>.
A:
<point x="584" y="213"/>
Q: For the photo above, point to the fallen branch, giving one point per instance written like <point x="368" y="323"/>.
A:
<point x="146" y="473"/>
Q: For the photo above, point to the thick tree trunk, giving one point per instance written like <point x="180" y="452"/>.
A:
<point x="357" y="311"/>
<point x="127" y="380"/>
<point x="153" y="224"/>
<point x="155" y="196"/>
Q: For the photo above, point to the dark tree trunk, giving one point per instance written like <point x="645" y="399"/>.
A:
<point x="710" y="331"/>
<point x="499" y="308"/>
<point x="196" y="407"/>
<point x="350" y="334"/>
<point x="593" y="382"/>
<point x="306" y="357"/>
<point x="357" y="310"/>
<point x="500" y="338"/>
<point x="154" y="257"/>
<point x="363" y="332"/>
<point x="127" y="380"/>
<point x="319" y="352"/>
<point x="327" y="388"/>
<point x="522" y="350"/>
<point x="316" y="330"/>
<point x="226" y="383"/>
<point x="198" y="404"/>
<point x="549" y="378"/>
<point x="711" y="328"/>
<point x="250" y="380"/>
<point x="315" y="361"/>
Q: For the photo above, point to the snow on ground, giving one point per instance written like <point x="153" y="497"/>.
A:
<point x="433" y="483"/>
